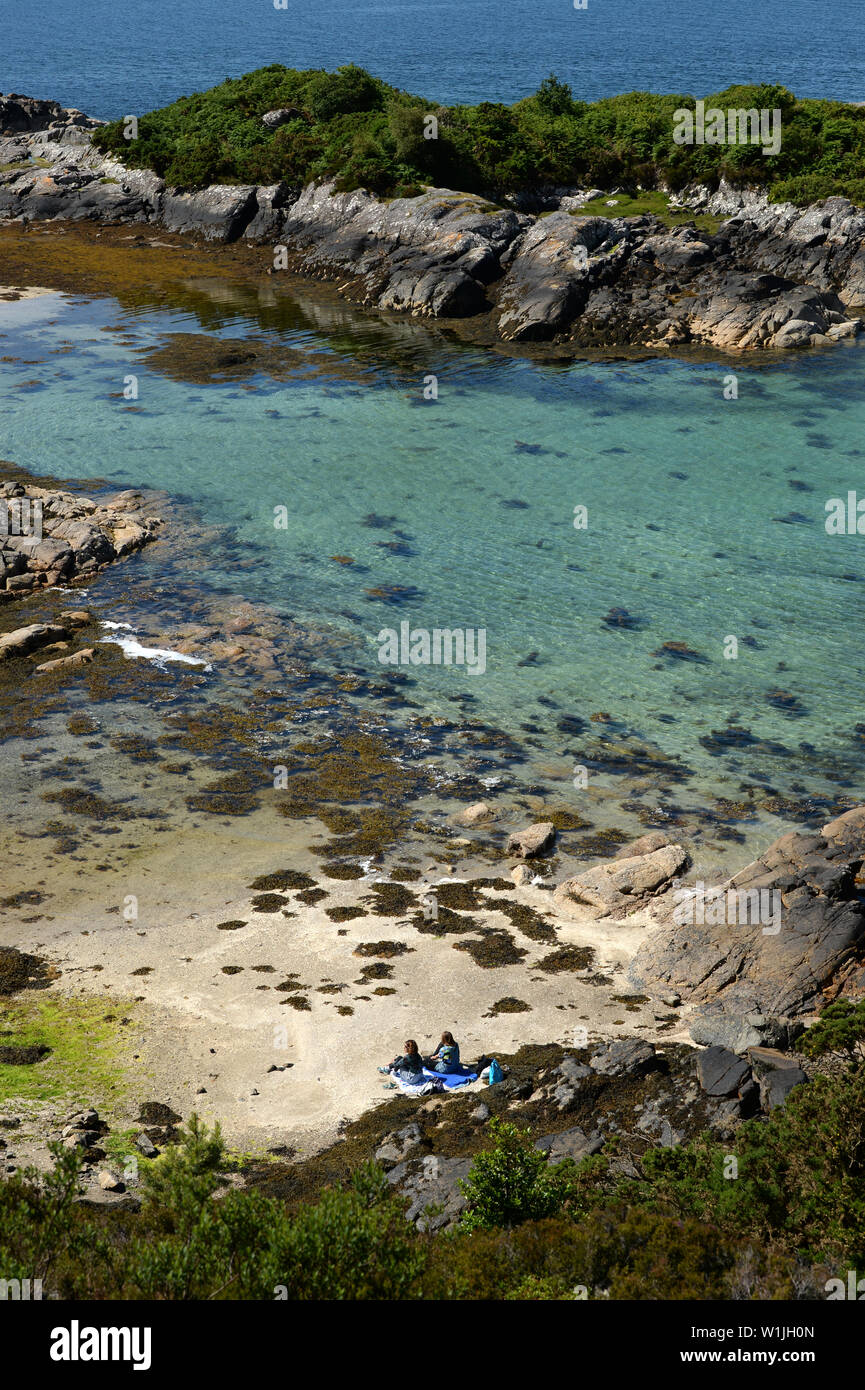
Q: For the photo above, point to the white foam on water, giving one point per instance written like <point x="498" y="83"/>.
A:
<point x="131" y="647"/>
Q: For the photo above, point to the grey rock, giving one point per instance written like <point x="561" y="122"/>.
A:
<point x="534" y="840"/>
<point x="112" y="1201"/>
<point x="721" y="1072"/>
<point x="24" y="640"/>
<point x="774" y="276"/>
<point x="624" y="1057"/>
<point x="146" y="1146"/>
<point x="569" y="1143"/>
<point x="271" y="203"/>
<point x="281" y="115"/>
<point x="218" y="213"/>
<point x="108" y="1182"/>
<point x="83" y="1119"/>
<point x="765" y="1059"/>
<point x="480" y="1114"/>
<point x="659" y="1128"/>
<point x="548" y="279"/>
<point x="644" y="844"/>
<point x="749" y="970"/>
<point x="398" y="1145"/>
<point x="749" y="1099"/>
<point x="571" y="1074"/>
<point x="739" y="1032"/>
<point x="775" y="1086"/>
<point x="432" y="1182"/>
<point x="620" y="886"/>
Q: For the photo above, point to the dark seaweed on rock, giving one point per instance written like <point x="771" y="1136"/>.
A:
<point x="311" y="896"/>
<point x="19" y="971"/>
<point x="508" y="1005"/>
<point x="268" y="902"/>
<point x="282" y="879"/>
<point x="495" y="949"/>
<point x="385" y="949"/>
<point x="390" y="899"/>
<point x="525" y="919"/>
<point x="567" y="958"/>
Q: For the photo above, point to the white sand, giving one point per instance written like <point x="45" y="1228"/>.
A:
<point x="198" y="1027"/>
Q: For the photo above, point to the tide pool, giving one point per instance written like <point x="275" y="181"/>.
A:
<point x="354" y="502"/>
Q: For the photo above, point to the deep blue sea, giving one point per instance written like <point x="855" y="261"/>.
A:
<point x="111" y="58"/>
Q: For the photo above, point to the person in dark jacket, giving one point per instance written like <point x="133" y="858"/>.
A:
<point x="408" y="1067"/>
<point x="446" y="1057"/>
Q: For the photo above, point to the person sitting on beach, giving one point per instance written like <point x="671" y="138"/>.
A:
<point x="446" y="1057"/>
<point x="408" y="1067"/>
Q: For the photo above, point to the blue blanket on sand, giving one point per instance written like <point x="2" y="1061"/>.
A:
<point x="452" y="1078"/>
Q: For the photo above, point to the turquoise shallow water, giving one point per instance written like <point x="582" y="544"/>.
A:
<point x="705" y="518"/>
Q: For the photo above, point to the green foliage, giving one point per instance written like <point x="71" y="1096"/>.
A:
<point x="512" y="1182"/>
<point x="554" y="96"/>
<point x="193" y="1241"/>
<point x="37" y="1219"/>
<point x="840" y="1028"/>
<point x="357" y="129"/>
<point x="688" y="1226"/>
<point x="800" y="1179"/>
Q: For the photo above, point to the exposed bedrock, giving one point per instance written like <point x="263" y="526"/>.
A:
<point x="774" y="942"/>
<point x="49" y="537"/>
<point x="772" y="277"/>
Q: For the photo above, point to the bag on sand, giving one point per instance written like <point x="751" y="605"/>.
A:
<point x="495" y="1073"/>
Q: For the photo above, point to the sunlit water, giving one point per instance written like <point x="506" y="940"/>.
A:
<point x="705" y="522"/>
<point x="112" y="59"/>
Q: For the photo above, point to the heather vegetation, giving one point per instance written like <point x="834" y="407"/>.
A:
<point x="351" y="126"/>
<point x="773" y="1213"/>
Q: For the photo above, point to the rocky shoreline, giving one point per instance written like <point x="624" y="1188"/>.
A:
<point x="772" y="277"/>
<point x="50" y="537"/>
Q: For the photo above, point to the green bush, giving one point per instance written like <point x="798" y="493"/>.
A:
<point x="840" y="1028"/>
<point x="512" y="1182"/>
<point x="689" y="1225"/>
<point x="354" y="127"/>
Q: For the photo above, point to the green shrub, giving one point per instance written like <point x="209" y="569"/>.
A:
<point x="511" y="1182"/>
<point x="840" y="1028"/>
<point x="351" y="126"/>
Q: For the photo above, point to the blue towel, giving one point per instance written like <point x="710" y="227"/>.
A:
<point x="451" y="1079"/>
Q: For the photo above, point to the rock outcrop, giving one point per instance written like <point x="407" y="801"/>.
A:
<point x="50" y="537"/>
<point x="777" y="939"/>
<point x="622" y="886"/>
<point x="772" y="277"/>
<point x="534" y="840"/>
